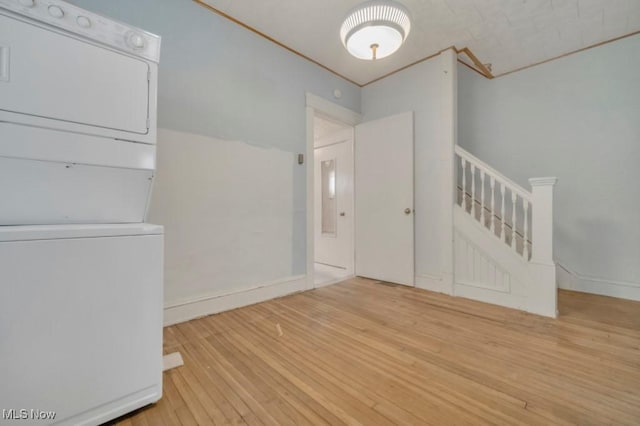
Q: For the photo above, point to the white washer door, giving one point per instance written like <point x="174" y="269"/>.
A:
<point x="51" y="75"/>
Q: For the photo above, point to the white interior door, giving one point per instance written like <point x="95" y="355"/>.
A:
<point x="384" y="199"/>
<point x="334" y="201"/>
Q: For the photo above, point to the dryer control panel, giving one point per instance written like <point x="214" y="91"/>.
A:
<point x="90" y="25"/>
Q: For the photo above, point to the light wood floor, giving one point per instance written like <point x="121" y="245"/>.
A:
<point x="363" y="352"/>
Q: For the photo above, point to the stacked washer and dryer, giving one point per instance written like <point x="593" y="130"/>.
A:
<point x="80" y="272"/>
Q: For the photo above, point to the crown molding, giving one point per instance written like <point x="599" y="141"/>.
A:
<point x="479" y="67"/>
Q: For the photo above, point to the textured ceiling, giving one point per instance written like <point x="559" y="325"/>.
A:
<point x="508" y="34"/>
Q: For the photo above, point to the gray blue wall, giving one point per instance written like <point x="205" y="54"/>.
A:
<point x="217" y="79"/>
<point x="577" y="118"/>
<point x="420" y="89"/>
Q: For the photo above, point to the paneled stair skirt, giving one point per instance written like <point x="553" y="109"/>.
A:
<point x="503" y="238"/>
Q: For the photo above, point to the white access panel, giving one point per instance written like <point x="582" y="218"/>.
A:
<point x="39" y="144"/>
<point x="50" y="176"/>
<point x="50" y="74"/>
<point x="48" y="192"/>
<point x="81" y="321"/>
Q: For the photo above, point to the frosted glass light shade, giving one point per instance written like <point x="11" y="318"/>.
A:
<point x="375" y="29"/>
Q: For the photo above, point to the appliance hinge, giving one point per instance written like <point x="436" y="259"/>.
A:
<point x="148" y="75"/>
<point x="148" y="123"/>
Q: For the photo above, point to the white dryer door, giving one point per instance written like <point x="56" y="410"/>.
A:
<point x="51" y="75"/>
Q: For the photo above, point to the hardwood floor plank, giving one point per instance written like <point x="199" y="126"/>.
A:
<point x="191" y="401"/>
<point x="209" y="384"/>
<point x="330" y="397"/>
<point x="240" y="386"/>
<point x="140" y="419"/>
<point x="170" y="394"/>
<point x="364" y="352"/>
<point x="186" y="417"/>
<point x="385" y="361"/>
<point x="265" y="395"/>
<point x="311" y="411"/>
<point x="320" y="374"/>
<point x="468" y="361"/>
<point x="355" y="377"/>
<point x="215" y="373"/>
<point x="200" y="387"/>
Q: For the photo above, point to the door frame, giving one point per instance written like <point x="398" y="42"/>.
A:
<point x="316" y="105"/>
<point x="346" y="138"/>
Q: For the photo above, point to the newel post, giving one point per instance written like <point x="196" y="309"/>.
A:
<point x="542" y="219"/>
<point x="542" y="294"/>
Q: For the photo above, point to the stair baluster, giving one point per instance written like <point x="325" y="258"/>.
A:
<point x="525" y="239"/>
<point x="473" y="191"/>
<point x="492" y="225"/>
<point x="463" y="202"/>
<point x="514" y="201"/>
<point x="483" y="219"/>
<point x="503" y="229"/>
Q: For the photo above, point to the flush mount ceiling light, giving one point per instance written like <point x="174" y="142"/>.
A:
<point x="375" y="29"/>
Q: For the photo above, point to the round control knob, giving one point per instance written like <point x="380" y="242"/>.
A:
<point x="137" y="41"/>
<point x="56" y="12"/>
<point x="27" y="3"/>
<point x="83" y="21"/>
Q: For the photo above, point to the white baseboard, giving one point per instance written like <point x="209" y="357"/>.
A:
<point x="432" y="283"/>
<point x="211" y="304"/>
<point x="570" y="280"/>
<point x="474" y="292"/>
<point x="338" y="281"/>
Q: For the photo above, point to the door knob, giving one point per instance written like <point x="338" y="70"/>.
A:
<point x="407" y="211"/>
<point x="342" y="214"/>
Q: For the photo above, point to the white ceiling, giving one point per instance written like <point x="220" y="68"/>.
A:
<point x="508" y="34"/>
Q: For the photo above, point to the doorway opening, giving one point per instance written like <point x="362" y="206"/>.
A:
<point x="379" y="216"/>
<point x="333" y="200"/>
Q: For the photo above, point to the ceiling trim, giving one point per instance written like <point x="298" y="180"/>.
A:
<point x="271" y="39"/>
<point x="407" y="66"/>
<point x="482" y="68"/>
<point x="602" y="43"/>
<point x="460" y="61"/>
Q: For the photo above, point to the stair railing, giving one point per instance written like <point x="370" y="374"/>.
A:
<point x="506" y="209"/>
